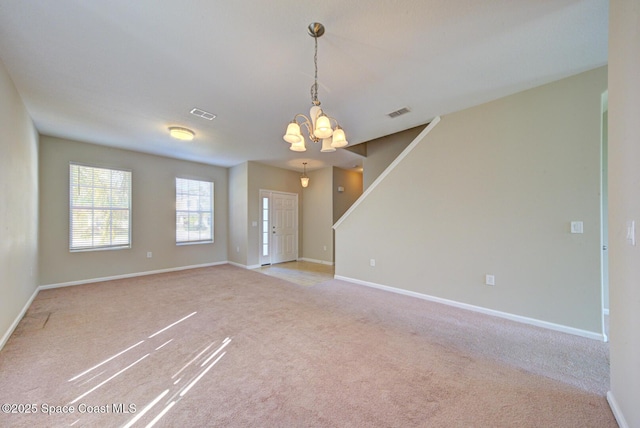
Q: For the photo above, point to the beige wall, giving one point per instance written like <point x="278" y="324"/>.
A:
<point x="382" y="151"/>
<point x="265" y="177"/>
<point x="323" y="205"/>
<point x="492" y="190"/>
<point x="351" y="181"/>
<point x="238" y="212"/>
<point x="18" y="206"/>
<point x="153" y="214"/>
<point x="624" y="206"/>
<point x="317" y="217"/>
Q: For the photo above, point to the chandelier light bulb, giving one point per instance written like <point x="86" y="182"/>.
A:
<point x="298" y="147"/>
<point x="293" y="135"/>
<point x="323" y="127"/>
<point x="327" y="146"/>
<point x="339" y="139"/>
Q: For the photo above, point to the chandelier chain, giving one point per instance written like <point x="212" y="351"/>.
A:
<point x="314" y="87"/>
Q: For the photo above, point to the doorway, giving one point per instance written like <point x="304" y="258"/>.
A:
<point x="278" y="227"/>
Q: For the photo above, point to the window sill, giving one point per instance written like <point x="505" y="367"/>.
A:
<point x="180" y="244"/>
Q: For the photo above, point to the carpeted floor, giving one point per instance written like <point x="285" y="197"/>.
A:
<point x="227" y="347"/>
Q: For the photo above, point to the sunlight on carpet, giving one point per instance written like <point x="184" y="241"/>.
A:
<point x="180" y="383"/>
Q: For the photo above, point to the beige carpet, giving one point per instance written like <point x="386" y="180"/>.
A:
<point x="227" y="347"/>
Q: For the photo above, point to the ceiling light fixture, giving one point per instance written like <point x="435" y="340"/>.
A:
<point x="181" y="133"/>
<point x="304" y="180"/>
<point x="318" y="124"/>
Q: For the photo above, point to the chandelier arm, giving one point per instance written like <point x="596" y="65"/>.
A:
<point x="305" y="120"/>
<point x="334" y="120"/>
<point x="307" y="124"/>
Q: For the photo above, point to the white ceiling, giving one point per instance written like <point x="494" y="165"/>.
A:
<point x="120" y="72"/>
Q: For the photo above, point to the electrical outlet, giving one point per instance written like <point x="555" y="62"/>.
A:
<point x="149" y="254"/>
<point x="372" y="262"/>
<point x="490" y="280"/>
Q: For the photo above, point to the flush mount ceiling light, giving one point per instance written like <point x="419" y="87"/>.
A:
<point x="304" y="180"/>
<point x="318" y="124"/>
<point x="181" y="133"/>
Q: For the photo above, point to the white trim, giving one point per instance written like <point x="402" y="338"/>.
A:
<point x="15" y="323"/>
<point x="128" y="275"/>
<point x="237" y="265"/>
<point x="388" y="170"/>
<point x="261" y="194"/>
<point x="321" y="262"/>
<point x="615" y="409"/>
<point x="244" y="266"/>
<point x="486" y="311"/>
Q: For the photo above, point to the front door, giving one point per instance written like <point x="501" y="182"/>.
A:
<point x="279" y="227"/>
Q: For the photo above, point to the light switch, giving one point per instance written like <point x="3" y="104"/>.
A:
<point x="631" y="233"/>
<point x="254" y="223"/>
<point x="576" y="227"/>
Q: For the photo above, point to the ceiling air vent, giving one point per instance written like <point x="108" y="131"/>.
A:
<point x="203" y="114"/>
<point x="397" y="113"/>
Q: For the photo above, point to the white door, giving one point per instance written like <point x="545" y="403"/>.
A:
<point x="279" y="227"/>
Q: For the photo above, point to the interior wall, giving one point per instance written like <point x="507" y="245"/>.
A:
<point x="317" y="217"/>
<point x="153" y="214"/>
<point x="384" y="150"/>
<point x="351" y="182"/>
<point x="238" y="212"/>
<point x="492" y="190"/>
<point x="266" y="177"/>
<point x="19" y="207"/>
<point x="624" y="207"/>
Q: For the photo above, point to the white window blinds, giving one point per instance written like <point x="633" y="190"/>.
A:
<point x="100" y="208"/>
<point x="194" y="211"/>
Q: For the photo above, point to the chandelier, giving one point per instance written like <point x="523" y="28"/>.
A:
<point x="318" y="125"/>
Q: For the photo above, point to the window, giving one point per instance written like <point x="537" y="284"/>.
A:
<point x="100" y="208"/>
<point x="194" y="211"/>
<point x="265" y="226"/>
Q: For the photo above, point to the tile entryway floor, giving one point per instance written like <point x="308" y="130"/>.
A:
<point x="299" y="272"/>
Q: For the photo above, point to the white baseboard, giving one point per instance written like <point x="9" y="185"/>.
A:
<point x="15" y="323"/>
<point x="128" y="275"/>
<point x="321" y="262"/>
<point x="505" y="315"/>
<point x="244" y="266"/>
<point x="11" y="329"/>
<point x="616" y="410"/>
